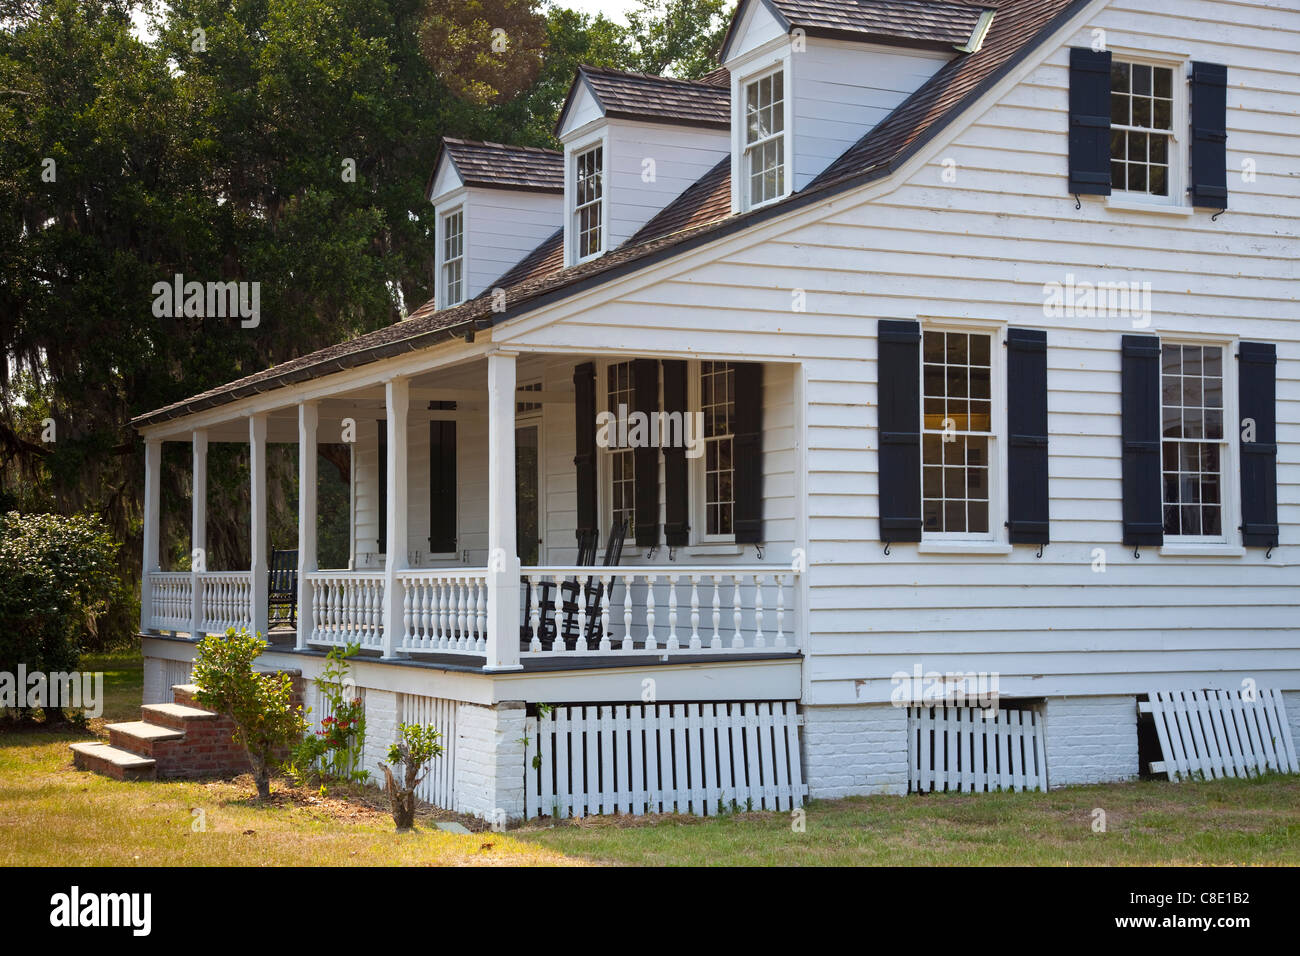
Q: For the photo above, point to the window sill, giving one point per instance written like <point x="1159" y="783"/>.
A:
<point x="1203" y="550"/>
<point x="1160" y="209"/>
<point x="963" y="547"/>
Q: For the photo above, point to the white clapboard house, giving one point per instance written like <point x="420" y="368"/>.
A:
<point x="970" y="338"/>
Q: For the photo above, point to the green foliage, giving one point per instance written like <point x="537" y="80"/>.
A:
<point x="343" y="730"/>
<point x="57" y="577"/>
<point x="260" y="704"/>
<point x="677" y="37"/>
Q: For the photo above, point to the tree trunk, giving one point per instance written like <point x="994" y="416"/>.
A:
<point x="261" y="777"/>
<point x="402" y="800"/>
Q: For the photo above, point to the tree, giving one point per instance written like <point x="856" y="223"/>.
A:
<point x="266" y="722"/>
<point x="416" y="746"/>
<point x="680" y="38"/>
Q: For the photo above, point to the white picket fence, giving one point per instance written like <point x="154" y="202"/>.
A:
<point x="663" y="758"/>
<point x="1216" y="733"/>
<point x="957" y="748"/>
<point x="439" y="787"/>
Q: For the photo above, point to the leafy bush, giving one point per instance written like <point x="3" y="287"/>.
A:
<point x="333" y="753"/>
<point x="266" y="722"/>
<point x="416" y="746"/>
<point x="57" y="577"/>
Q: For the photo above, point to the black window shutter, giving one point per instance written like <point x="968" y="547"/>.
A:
<point x="747" y="454"/>
<point x="584" y="461"/>
<point x="1089" y="122"/>
<point x="1209" y="135"/>
<point x="442" y="487"/>
<point x="1027" y="520"/>
<point x="898" y="372"/>
<point x="383" y="486"/>
<point x="1257" y="396"/>
<point x="645" y="396"/>
<point x="1140" y="432"/>
<point x="677" y="526"/>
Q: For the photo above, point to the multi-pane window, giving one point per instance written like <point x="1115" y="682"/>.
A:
<point x="588" y="193"/>
<point x="718" y="403"/>
<point x="1141" y="127"/>
<point x="619" y="392"/>
<point x="1193" y="445"/>
<point x="957" y="432"/>
<point x="765" y="138"/>
<point x="523" y="407"/>
<point x="453" y="258"/>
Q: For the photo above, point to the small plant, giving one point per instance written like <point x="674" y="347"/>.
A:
<point x="266" y="722"/>
<point x="416" y="746"/>
<point x="343" y="731"/>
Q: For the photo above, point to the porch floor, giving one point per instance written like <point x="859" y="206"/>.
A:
<point x="282" y="640"/>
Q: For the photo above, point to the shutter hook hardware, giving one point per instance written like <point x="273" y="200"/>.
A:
<point x="1136" y="556"/>
<point x="1215" y="217"/>
<point x="672" y="554"/>
<point x="652" y="552"/>
<point x="1078" y="203"/>
<point x="1040" y="550"/>
<point x="758" y="550"/>
<point x="886" y="549"/>
<point x="1269" y="553"/>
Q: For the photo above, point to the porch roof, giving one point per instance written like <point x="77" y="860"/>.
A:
<point x="699" y="216"/>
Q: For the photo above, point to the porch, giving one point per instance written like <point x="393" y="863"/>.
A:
<point x="524" y="427"/>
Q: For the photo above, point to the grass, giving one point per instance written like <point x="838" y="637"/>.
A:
<point x="51" y="814"/>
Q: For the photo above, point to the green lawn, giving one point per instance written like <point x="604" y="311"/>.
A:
<point x="53" y="815"/>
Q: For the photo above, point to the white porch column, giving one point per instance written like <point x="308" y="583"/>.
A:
<point x="151" y="513"/>
<point x="503" y="559"/>
<point x="308" y="419"/>
<point x="397" y="400"/>
<point x="257" y="498"/>
<point x="198" y="531"/>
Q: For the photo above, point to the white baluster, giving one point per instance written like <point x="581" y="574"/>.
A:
<point x="627" y="612"/>
<point x="462" y="616"/>
<point x="581" y="644"/>
<point x="444" y="624"/>
<point x="737" y="639"/>
<point x="695" y="612"/>
<point x="716" y="642"/>
<point x="780" y="611"/>
<point x="481" y="585"/>
<point x="759" y="639"/>
<point x="534" y="612"/>
<point x="557" y="644"/>
<point x="672" y="614"/>
<point x="406" y="612"/>
<point x="606" y="582"/>
<point x="651" y="643"/>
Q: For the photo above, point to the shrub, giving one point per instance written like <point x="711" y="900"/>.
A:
<point x="266" y="722"/>
<point x="416" y="746"/>
<point x="57" y="577"/>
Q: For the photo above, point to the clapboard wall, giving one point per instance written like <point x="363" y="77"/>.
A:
<point x="981" y="248"/>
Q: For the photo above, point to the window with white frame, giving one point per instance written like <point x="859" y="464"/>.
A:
<point x="764" y="165"/>
<point x="1193" y="443"/>
<point x="1141" y="128"/>
<point x="957" y="433"/>
<point x="453" y="258"/>
<point x="589" y="192"/>
<point x="718" y="405"/>
<point x="622" y="499"/>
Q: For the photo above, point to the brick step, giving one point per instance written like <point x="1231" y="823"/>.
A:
<point x="174" y="716"/>
<point x="112" y="761"/>
<point x="186" y="695"/>
<point x="140" y="737"/>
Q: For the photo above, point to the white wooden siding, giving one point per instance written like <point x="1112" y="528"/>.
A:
<point x="981" y="248"/>
<point x="504" y="226"/>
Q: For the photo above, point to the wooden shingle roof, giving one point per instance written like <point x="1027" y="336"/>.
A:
<point x="662" y="99"/>
<point x="939" y="24"/>
<point x="497" y="166"/>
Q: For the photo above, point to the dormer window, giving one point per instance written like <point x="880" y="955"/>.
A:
<point x="589" y="192"/>
<point x="453" y="258"/>
<point x="765" y="138"/>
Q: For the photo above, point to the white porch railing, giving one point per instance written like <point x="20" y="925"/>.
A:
<point x="227" y="601"/>
<point x="661" y="610"/>
<point x="444" y="610"/>
<point x="170" y="600"/>
<point x="347" y="608"/>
